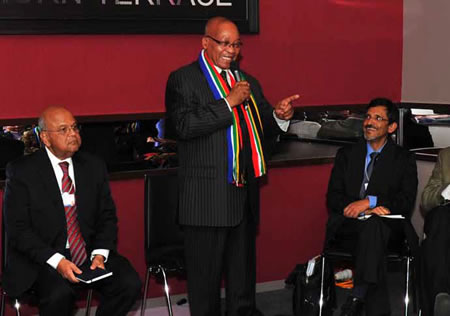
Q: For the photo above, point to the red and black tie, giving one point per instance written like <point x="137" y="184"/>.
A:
<point x="77" y="245"/>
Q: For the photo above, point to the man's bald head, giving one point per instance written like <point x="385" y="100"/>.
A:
<point x="48" y="113"/>
<point x="221" y="41"/>
<point x="214" y="24"/>
<point x="59" y="131"/>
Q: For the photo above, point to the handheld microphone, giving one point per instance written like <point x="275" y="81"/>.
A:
<point x="234" y="67"/>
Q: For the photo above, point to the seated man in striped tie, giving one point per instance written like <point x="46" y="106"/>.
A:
<point x="372" y="177"/>
<point x="59" y="215"/>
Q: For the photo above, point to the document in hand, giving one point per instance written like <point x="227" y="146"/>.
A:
<point x="89" y="276"/>
<point x="363" y="217"/>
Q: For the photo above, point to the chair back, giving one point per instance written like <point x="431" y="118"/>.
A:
<point x="164" y="242"/>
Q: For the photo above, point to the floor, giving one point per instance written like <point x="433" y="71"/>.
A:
<point x="274" y="300"/>
<point x="279" y="302"/>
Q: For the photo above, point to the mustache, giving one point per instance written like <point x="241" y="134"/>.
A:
<point x="369" y="126"/>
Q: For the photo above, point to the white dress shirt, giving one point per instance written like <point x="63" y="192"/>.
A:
<point x="55" y="161"/>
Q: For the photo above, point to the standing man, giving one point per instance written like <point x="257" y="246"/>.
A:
<point x="373" y="177"/>
<point x="59" y="215"/>
<point x="220" y="124"/>
<point x="435" y="247"/>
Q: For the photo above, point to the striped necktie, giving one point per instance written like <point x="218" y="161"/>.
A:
<point x="77" y="245"/>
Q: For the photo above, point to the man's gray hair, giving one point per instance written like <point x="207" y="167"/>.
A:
<point x="41" y="123"/>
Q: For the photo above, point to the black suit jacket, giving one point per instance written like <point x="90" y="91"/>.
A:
<point x="200" y="123"/>
<point x="35" y="219"/>
<point x="393" y="181"/>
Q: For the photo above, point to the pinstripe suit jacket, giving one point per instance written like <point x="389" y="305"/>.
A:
<point x="200" y="123"/>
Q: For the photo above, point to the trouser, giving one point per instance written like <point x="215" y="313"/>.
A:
<point x="434" y="259"/>
<point x="118" y="293"/>
<point x="368" y="241"/>
<point x="213" y="252"/>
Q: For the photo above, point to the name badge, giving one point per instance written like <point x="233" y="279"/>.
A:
<point x="365" y="186"/>
<point x="68" y="199"/>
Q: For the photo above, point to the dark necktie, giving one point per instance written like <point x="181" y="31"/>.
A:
<point x="368" y="174"/>
<point x="223" y="74"/>
<point x="77" y="245"/>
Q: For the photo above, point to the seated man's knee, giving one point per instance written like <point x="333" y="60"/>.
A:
<point x="374" y="222"/>
<point x="439" y="214"/>
<point x="61" y="294"/>
<point x="437" y="219"/>
<point x="131" y="284"/>
<point x="374" y="230"/>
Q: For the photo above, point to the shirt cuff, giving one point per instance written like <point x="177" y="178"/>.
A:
<point x="283" y="124"/>
<point x="54" y="260"/>
<point x="102" y="252"/>
<point x="228" y="104"/>
<point x="372" y="201"/>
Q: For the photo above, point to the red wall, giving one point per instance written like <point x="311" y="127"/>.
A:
<point x="334" y="51"/>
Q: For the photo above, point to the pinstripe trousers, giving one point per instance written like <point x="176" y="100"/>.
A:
<point x="216" y="252"/>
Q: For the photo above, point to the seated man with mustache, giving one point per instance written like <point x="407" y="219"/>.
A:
<point x="372" y="177"/>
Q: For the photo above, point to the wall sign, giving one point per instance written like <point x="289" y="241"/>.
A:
<point x="122" y="16"/>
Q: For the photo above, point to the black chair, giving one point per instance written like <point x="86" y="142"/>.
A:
<point x="164" y="245"/>
<point x="397" y="252"/>
<point x="29" y="294"/>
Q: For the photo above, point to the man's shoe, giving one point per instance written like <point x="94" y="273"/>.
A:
<point x="442" y="304"/>
<point x="352" y="307"/>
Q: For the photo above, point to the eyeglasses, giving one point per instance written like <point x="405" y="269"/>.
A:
<point x="376" y="118"/>
<point x="65" y="130"/>
<point x="225" y="44"/>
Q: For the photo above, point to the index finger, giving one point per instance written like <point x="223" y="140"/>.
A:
<point x="290" y="99"/>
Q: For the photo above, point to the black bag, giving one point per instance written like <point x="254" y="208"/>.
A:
<point x="306" y="296"/>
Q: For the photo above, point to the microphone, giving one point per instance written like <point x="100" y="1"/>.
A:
<point x="234" y="67"/>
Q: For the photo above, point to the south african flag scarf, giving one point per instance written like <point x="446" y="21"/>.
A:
<point x="235" y="142"/>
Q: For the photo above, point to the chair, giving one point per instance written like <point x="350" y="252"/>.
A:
<point x="397" y="253"/>
<point x="30" y="293"/>
<point x="164" y="246"/>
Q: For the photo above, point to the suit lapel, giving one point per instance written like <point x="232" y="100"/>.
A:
<point x="357" y="165"/>
<point x="382" y="167"/>
<point x="82" y="184"/>
<point x="50" y="184"/>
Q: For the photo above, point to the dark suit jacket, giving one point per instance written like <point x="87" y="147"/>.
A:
<point x="393" y="181"/>
<point x="200" y="123"/>
<point x="35" y="219"/>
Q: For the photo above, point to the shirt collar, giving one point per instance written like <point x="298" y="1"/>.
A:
<point x="371" y="150"/>
<point x="219" y="70"/>
<point x="55" y="160"/>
